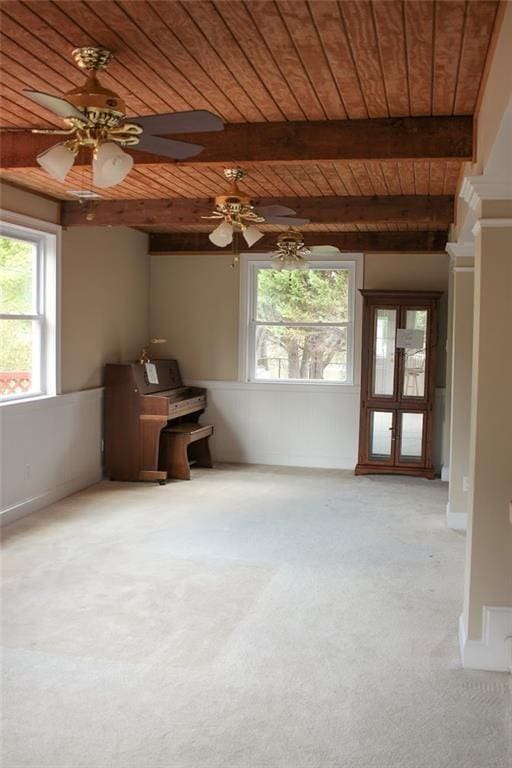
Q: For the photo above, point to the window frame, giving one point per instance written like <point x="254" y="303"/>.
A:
<point x="250" y="264"/>
<point x="47" y="239"/>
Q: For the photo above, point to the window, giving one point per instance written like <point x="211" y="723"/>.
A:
<point x="301" y="322"/>
<point x="28" y="290"/>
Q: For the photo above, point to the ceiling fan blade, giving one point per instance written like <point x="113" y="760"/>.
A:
<point x="286" y="221"/>
<point x="222" y="235"/>
<point x="274" y="210"/>
<point x="196" y="121"/>
<point x="319" y="249"/>
<point x="56" y="104"/>
<point x="178" y="150"/>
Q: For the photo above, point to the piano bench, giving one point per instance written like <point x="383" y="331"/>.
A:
<point x="183" y="444"/>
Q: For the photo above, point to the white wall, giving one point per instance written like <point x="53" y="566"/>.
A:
<point x="49" y="448"/>
<point x="295" y="425"/>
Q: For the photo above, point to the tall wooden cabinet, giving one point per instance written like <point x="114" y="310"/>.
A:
<point x="398" y="382"/>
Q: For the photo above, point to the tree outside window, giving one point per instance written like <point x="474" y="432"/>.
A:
<point x="20" y="318"/>
<point x="302" y="324"/>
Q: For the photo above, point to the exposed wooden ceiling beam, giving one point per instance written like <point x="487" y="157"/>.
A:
<point x="292" y="142"/>
<point x="424" y="209"/>
<point x="197" y="242"/>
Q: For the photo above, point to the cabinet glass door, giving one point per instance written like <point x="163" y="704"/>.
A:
<point x="411" y="437"/>
<point x="381" y="437"/>
<point x="415" y="357"/>
<point x="384" y="353"/>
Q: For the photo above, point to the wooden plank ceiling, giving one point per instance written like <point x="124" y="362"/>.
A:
<point x="257" y="61"/>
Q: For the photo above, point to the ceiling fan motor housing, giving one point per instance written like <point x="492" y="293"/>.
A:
<point x="101" y="105"/>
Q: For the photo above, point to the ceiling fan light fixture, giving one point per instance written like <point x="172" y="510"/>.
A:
<point x="251" y="235"/>
<point x="222" y="235"/>
<point x="57" y="161"/>
<point x="282" y="262"/>
<point x="291" y="252"/>
<point x="110" y="165"/>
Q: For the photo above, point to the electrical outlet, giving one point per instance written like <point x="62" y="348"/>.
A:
<point x="28" y="471"/>
<point x="465" y="484"/>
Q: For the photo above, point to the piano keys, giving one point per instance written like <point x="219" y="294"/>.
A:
<point x="136" y="412"/>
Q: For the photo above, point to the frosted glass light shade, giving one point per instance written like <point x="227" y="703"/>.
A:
<point x="252" y="235"/>
<point x="289" y="262"/>
<point x="110" y="165"/>
<point x="222" y="235"/>
<point x="57" y="161"/>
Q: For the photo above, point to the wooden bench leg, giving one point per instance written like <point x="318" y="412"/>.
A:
<point x="178" y="466"/>
<point x="201" y="452"/>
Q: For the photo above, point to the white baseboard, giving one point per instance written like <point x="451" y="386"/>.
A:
<point x="27" y="506"/>
<point x="445" y="474"/>
<point x="492" y="652"/>
<point x="457" y="521"/>
<point x="284" y="460"/>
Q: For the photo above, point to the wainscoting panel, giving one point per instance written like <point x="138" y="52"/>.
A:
<point x="290" y="424"/>
<point x="50" y="447"/>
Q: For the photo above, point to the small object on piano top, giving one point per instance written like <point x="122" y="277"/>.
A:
<point x="144" y="357"/>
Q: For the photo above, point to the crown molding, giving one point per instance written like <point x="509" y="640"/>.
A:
<point x="474" y="189"/>
<point x="458" y="250"/>
<point x="491" y="224"/>
<point x="461" y="256"/>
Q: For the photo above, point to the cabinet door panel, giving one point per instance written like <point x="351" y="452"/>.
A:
<point x="384" y="352"/>
<point x="414" y="358"/>
<point x="381" y="436"/>
<point x="411" y="440"/>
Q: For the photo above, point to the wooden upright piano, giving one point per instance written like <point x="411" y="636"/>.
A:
<point x="136" y="412"/>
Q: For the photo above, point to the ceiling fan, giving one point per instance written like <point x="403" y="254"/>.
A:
<point x="96" y="118"/>
<point x="239" y="215"/>
<point x="291" y="252"/>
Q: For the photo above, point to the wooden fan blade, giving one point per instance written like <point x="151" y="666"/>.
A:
<point x="178" y="150"/>
<point x="286" y="221"/>
<point x="56" y="104"/>
<point x="274" y="210"/>
<point x="195" y="121"/>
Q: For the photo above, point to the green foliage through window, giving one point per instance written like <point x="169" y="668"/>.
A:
<point x="300" y="302"/>
<point x="18" y="283"/>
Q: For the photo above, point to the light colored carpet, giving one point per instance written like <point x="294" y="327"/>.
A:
<point x="255" y="617"/>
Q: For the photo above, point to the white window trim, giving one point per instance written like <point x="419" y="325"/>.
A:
<point x="251" y="261"/>
<point x="49" y="234"/>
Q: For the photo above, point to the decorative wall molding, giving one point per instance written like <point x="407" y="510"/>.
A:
<point x="491" y="651"/>
<point x="461" y="256"/>
<point x="474" y="189"/>
<point x="463" y="250"/>
<point x="491" y="224"/>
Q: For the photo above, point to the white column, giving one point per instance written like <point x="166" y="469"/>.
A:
<point x="445" y="468"/>
<point x="461" y="333"/>
<point x="486" y="623"/>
